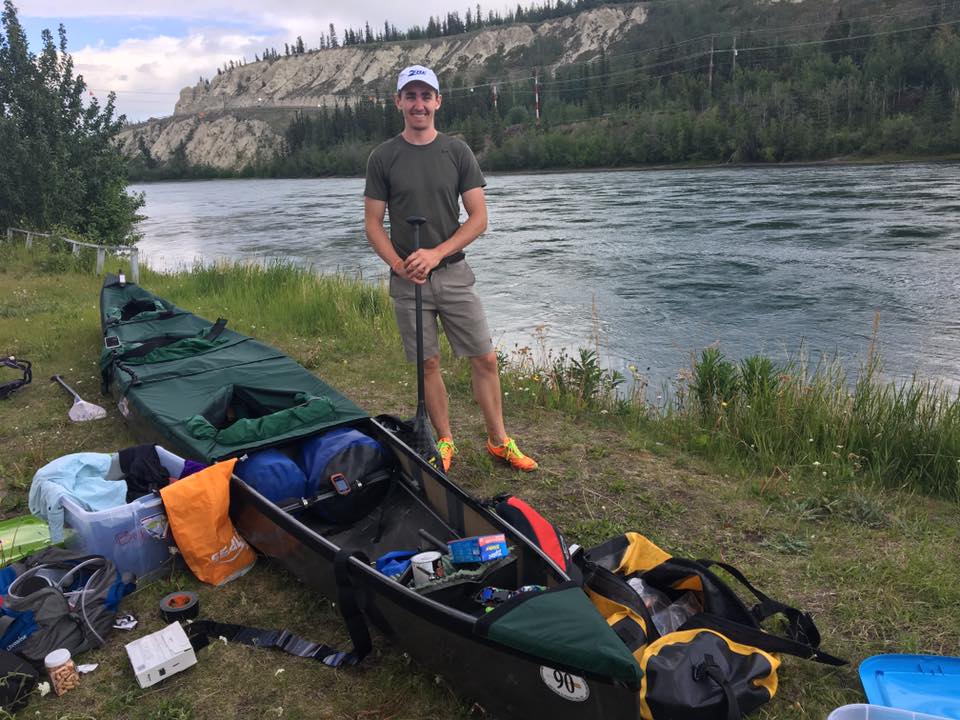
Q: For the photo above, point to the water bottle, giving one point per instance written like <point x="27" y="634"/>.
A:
<point x="122" y="278"/>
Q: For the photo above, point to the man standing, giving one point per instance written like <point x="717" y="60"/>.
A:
<point x="424" y="172"/>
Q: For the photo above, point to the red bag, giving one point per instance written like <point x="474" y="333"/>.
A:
<point x="536" y="528"/>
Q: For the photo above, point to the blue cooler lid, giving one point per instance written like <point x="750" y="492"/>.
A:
<point x="920" y="683"/>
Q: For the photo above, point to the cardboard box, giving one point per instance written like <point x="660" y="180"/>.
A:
<point x="478" y="549"/>
<point x="161" y="654"/>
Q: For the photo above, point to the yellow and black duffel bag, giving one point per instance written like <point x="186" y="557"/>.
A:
<point x="703" y="653"/>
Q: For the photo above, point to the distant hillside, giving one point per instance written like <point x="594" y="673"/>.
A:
<point x="680" y="81"/>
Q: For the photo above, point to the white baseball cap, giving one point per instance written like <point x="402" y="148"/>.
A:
<point x="417" y="73"/>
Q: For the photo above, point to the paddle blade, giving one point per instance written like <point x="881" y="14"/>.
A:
<point x="423" y="441"/>
<point x="83" y="411"/>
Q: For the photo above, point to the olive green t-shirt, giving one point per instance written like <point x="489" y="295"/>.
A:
<point x="424" y="180"/>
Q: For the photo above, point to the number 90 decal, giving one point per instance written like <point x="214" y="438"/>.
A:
<point x="566" y="685"/>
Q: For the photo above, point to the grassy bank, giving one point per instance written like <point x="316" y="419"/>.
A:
<point x="871" y="551"/>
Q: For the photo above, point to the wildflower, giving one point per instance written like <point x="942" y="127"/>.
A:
<point x="816" y="463"/>
<point x="808" y="439"/>
<point x="824" y="473"/>
<point x="603" y="412"/>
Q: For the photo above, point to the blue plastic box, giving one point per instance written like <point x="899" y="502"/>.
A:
<point x="135" y="536"/>
<point x="478" y="549"/>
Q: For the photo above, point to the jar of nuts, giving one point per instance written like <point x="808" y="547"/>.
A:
<point x="63" y="673"/>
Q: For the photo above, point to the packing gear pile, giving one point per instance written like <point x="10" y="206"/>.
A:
<point x="702" y="653"/>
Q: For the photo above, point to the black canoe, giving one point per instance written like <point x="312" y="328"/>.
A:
<point x="539" y="654"/>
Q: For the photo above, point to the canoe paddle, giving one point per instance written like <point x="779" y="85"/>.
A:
<point x="81" y="410"/>
<point x="423" y="440"/>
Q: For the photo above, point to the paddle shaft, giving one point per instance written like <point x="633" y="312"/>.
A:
<point x="417" y="221"/>
<point x="58" y="379"/>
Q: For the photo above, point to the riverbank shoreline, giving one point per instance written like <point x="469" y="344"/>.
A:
<point x="832" y="162"/>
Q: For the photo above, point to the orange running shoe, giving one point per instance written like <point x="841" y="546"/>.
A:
<point x="511" y="453"/>
<point x="447" y="450"/>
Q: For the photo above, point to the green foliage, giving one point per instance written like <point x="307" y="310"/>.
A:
<point x="355" y="317"/>
<point x="814" y="421"/>
<point x="715" y="381"/>
<point x="58" y="162"/>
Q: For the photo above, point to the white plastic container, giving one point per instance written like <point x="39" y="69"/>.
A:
<point x="161" y="654"/>
<point x="878" y="712"/>
<point x="62" y="671"/>
<point x="135" y="536"/>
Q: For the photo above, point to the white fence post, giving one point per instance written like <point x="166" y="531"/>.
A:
<point x="101" y="256"/>
<point x="135" y="265"/>
<point x="29" y="242"/>
<point x="9" y="234"/>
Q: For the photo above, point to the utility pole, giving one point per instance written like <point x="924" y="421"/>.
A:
<point x="710" y="81"/>
<point x="536" y="93"/>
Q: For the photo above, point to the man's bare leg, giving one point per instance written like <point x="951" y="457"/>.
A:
<point x="435" y="396"/>
<point x="486" y="391"/>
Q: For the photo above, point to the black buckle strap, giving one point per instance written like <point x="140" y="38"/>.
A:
<point x="351" y="603"/>
<point x="710" y="669"/>
<point x="202" y="632"/>
<point x="7" y="388"/>
<point x="148" y="346"/>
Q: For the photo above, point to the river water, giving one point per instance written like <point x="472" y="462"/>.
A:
<point x="654" y="264"/>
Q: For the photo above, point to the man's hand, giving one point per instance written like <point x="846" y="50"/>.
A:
<point x="419" y="264"/>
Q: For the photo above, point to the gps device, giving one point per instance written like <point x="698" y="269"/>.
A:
<point x="340" y="484"/>
<point x="111" y="342"/>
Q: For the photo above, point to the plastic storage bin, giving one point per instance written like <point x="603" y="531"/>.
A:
<point x="136" y="536"/>
<point x="877" y="712"/>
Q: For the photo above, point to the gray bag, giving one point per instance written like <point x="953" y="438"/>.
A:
<point x="60" y="599"/>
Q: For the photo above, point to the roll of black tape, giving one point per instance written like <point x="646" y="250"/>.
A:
<point x="180" y="605"/>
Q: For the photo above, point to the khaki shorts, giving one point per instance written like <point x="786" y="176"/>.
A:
<point x="448" y="295"/>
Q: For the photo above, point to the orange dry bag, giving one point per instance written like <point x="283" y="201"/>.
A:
<point x="198" y="510"/>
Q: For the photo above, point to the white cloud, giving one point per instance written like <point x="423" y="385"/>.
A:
<point x="147" y="75"/>
<point x="283" y="14"/>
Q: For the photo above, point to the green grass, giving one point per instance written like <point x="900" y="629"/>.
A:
<point x="873" y="557"/>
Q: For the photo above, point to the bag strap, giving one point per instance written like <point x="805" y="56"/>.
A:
<point x="710" y="669"/>
<point x="152" y="344"/>
<point x="800" y="626"/>
<point x="350" y="602"/>
<point x="760" y="638"/>
<point x="201" y="632"/>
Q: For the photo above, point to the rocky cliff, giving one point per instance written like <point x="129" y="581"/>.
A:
<point x="240" y="114"/>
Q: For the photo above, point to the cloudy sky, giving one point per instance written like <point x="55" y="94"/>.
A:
<point x="147" y="52"/>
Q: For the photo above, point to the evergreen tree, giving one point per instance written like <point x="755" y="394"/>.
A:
<point x="59" y="166"/>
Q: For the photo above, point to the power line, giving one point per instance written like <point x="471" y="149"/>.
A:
<point x="755" y="48"/>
